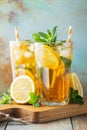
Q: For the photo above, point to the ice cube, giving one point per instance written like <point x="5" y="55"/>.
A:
<point x="64" y="51"/>
<point x="39" y="64"/>
<point x="32" y="47"/>
<point x="27" y="54"/>
<point x="46" y="78"/>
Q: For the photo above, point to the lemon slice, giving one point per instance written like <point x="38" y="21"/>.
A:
<point x="20" y="89"/>
<point x="76" y="84"/>
<point x="24" y="71"/>
<point x="47" y="57"/>
<point x="61" y="69"/>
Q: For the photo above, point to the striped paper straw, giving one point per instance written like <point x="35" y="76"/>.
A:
<point x="69" y="34"/>
<point x="16" y="34"/>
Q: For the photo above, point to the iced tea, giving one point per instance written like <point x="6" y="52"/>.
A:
<point x="53" y="72"/>
<point x="22" y="59"/>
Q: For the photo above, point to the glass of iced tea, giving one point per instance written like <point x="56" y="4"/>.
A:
<point x="53" y="67"/>
<point x="53" y="73"/>
<point x="22" y="59"/>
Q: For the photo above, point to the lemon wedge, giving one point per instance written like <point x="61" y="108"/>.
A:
<point x="76" y="84"/>
<point x="20" y="89"/>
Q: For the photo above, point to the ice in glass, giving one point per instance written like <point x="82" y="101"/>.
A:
<point x="22" y="59"/>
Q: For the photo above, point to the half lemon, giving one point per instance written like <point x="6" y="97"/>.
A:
<point x="20" y="89"/>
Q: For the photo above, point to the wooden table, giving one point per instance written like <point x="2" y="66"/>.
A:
<point x="74" y="123"/>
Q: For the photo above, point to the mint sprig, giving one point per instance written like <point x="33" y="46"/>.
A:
<point x="75" y="97"/>
<point x="49" y="38"/>
<point x="6" y="98"/>
<point x="34" y="99"/>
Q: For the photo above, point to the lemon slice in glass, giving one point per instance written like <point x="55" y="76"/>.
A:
<point x="24" y="71"/>
<point x="76" y="84"/>
<point x="47" y="57"/>
<point x="20" y="89"/>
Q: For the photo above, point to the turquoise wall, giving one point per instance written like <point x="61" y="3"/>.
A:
<point x="39" y="15"/>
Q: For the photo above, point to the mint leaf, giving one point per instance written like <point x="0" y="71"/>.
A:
<point x="36" y="104"/>
<point x="6" y="98"/>
<point x="74" y="97"/>
<point x="44" y="35"/>
<point x="75" y="93"/>
<point x="36" y="36"/>
<point x="54" y="31"/>
<point x="61" y="42"/>
<point x="49" y="33"/>
<point x="66" y="61"/>
<point x="55" y="38"/>
<point x="34" y="99"/>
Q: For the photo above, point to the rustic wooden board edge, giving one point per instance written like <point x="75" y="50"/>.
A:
<point x="44" y="113"/>
<point x="61" y="112"/>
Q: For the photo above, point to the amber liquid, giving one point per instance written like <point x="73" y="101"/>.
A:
<point x="56" y="90"/>
<point x="54" y="85"/>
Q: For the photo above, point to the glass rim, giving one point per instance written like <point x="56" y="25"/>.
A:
<point x="18" y="42"/>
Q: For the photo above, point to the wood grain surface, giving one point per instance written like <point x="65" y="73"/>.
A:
<point x="43" y="113"/>
<point x="74" y="123"/>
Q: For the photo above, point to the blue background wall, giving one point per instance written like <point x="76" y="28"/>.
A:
<point x="39" y="15"/>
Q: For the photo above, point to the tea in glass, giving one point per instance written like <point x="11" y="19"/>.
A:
<point x="53" y="66"/>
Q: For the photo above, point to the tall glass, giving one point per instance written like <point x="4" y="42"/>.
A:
<point x="53" y="66"/>
<point x="22" y="59"/>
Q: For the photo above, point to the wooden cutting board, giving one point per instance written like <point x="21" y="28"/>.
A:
<point x="43" y="113"/>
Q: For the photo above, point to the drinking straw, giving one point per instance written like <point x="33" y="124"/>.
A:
<point x="16" y="34"/>
<point x="69" y="34"/>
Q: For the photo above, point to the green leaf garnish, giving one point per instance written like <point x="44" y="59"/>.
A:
<point x="49" y="33"/>
<point x="6" y="98"/>
<point x="36" y="104"/>
<point x="44" y="35"/>
<point x="38" y="38"/>
<point x="66" y="61"/>
<point x="60" y="42"/>
<point x="34" y="99"/>
<point x="49" y="38"/>
<point x="75" y="97"/>
<point x="55" y="31"/>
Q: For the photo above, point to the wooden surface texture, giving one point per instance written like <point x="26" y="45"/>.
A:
<point x="43" y="113"/>
<point x="75" y="123"/>
<point x="71" y="123"/>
